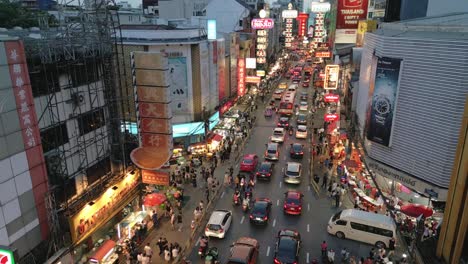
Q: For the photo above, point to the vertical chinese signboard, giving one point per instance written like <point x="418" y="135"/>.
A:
<point x="332" y="73"/>
<point x="221" y="70"/>
<point x="289" y="15"/>
<point x="302" y="19"/>
<point x="348" y="15"/>
<point x="19" y="76"/>
<point x="6" y="256"/>
<point x="241" y="77"/>
<point x="382" y="100"/>
<point x="152" y="98"/>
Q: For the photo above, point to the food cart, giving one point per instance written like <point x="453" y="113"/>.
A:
<point x="105" y="254"/>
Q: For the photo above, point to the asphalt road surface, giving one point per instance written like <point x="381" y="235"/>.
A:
<point x="315" y="211"/>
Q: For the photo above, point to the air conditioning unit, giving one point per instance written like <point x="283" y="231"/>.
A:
<point x="77" y="98"/>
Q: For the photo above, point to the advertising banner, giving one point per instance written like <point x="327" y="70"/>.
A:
<point x="302" y="23"/>
<point x="211" y="29"/>
<point x="331" y="117"/>
<point x="250" y="63"/>
<point x="363" y="27"/>
<point x="262" y="23"/>
<point x="155" y="177"/>
<point x="332" y="98"/>
<point x="6" y="256"/>
<point x="252" y="79"/>
<point x="221" y="69"/>
<point x="241" y="77"/>
<point x="179" y="85"/>
<point x="331" y="77"/>
<point x="322" y="54"/>
<point x="348" y="15"/>
<point x="382" y="98"/>
<point x="320" y="7"/>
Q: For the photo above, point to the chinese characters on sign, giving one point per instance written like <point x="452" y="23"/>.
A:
<point x="331" y="77"/>
<point x="262" y="44"/>
<point x="288" y="33"/>
<point x="319" y="32"/>
<point x="302" y="21"/>
<point x="241" y="77"/>
<point x="155" y="177"/>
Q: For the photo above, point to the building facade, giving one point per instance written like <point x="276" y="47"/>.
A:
<point x="230" y="16"/>
<point x="409" y="125"/>
<point x="194" y="71"/>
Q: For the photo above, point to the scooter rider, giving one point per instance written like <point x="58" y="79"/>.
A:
<point x="237" y="197"/>
<point x="204" y="244"/>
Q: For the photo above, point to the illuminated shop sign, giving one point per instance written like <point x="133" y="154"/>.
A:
<point x="331" y="117"/>
<point x="262" y="23"/>
<point x="211" y="29"/>
<point x="250" y="63"/>
<point x="240" y="77"/>
<point x="322" y="54"/>
<point x="331" y="77"/>
<point x="318" y="7"/>
<point x="6" y="256"/>
<point x="331" y="98"/>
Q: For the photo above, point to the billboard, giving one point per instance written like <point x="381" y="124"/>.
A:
<point x="155" y="177"/>
<point x="211" y="29"/>
<point x="302" y="24"/>
<point x="331" y="77"/>
<point x="382" y="99"/>
<point x="289" y="14"/>
<point x="6" y="256"/>
<point x="262" y="23"/>
<point x="221" y="69"/>
<point x="363" y="27"/>
<point x="348" y="15"/>
<point x="320" y="7"/>
<point x="241" y="77"/>
<point x="178" y="84"/>
<point x="250" y="63"/>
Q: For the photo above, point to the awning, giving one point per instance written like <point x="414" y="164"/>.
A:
<point x="217" y="137"/>
<point x="102" y="251"/>
<point x="415" y="210"/>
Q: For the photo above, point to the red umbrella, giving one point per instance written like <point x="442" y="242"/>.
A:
<point x="415" y="210"/>
<point x="154" y="199"/>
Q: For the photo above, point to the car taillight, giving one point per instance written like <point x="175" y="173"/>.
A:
<point x="277" y="261"/>
<point x="268" y="174"/>
<point x="285" y="206"/>
<point x="221" y="230"/>
<point x="302" y="152"/>
<point x="300" y="208"/>
<point x="251" y="217"/>
<point x="265" y="218"/>
<point x="279" y="124"/>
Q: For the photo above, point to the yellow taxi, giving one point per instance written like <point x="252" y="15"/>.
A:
<point x="283" y="85"/>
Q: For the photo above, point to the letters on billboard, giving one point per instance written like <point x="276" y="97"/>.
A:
<point x="382" y="98"/>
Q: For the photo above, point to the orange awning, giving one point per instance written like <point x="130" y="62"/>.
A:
<point x="103" y="250"/>
<point x="217" y="137"/>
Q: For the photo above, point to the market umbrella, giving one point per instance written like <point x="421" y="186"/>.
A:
<point x="415" y="210"/>
<point x="154" y="199"/>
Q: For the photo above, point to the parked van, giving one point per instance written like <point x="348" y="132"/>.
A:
<point x="371" y="228"/>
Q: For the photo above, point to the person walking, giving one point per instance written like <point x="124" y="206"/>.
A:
<point x="324" y="248"/>
<point x="391" y="247"/>
<point x="160" y="245"/>
<point x="179" y="221"/>
<point x="324" y="181"/>
<point x="154" y="218"/>
<point x="148" y="250"/>
<point x="173" y="220"/>
<point x="337" y="198"/>
<point x="207" y="194"/>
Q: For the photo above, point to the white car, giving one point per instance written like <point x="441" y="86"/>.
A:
<point x="301" y="131"/>
<point x="293" y="173"/>
<point x="303" y="106"/>
<point x="219" y="223"/>
<point x="278" y="135"/>
<point x="278" y="94"/>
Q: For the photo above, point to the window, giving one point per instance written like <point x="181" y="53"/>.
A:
<point x="90" y="121"/>
<point x="240" y="23"/>
<point x="358" y="226"/>
<point x="372" y="229"/>
<point x="341" y="222"/>
<point x="85" y="71"/>
<point x="54" y="137"/>
<point x="226" y="217"/>
<point x="95" y="172"/>
<point x="44" y="77"/>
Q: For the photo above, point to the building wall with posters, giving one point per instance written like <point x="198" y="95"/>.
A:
<point x="179" y="45"/>
<point x="23" y="177"/>
<point x="418" y="110"/>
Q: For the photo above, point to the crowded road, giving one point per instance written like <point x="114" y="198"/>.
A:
<point x="316" y="210"/>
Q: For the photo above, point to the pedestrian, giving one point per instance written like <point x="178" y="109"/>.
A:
<point x="179" y="221"/>
<point x="173" y="220"/>
<point x="324" y="180"/>
<point x="154" y="218"/>
<point x="356" y="201"/>
<point x="192" y="225"/>
<point x="331" y="256"/>
<point x="324" y="248"/>
<point x="372" y="253"/>
<point x="201" y="205"/>
<point x="160" y="245"/>
<point x="148" y="250"/>
<point x="391" y="247"/>
<point x="167" y="254"/>
<point x="337" y="198"/>
<point x="207" y="194"/>
<point x="344" y="255"/>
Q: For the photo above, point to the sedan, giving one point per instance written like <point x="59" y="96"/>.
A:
<point x="278" y="94"/>
<point x="283" y="122"/>
<point x="260" y="212"/>
<point x="293" y="172"/>
<point x="296" y="151"/>
<point x="292" y="202"/>
<point x="249" y="163"/>
<point x="265" y="171"/>
<point x="301" y="132"/>
<point x="305" y="84"/>
<point x="278" y="135"/>
<point x="303" y="106"/>
<point x="287" y="247"/>
<point x="272" y="151"/>
<point x="301" y="119"/>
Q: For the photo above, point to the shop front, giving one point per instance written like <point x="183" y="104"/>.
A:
<point x="102" y="229"/>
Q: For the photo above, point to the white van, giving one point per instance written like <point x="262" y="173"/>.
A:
<point x="292" y="87"/>
<point x="371" y="228"/>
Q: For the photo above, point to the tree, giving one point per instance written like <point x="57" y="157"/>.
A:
<point x="13" y="14"/>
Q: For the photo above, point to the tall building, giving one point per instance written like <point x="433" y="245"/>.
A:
<point x="409" y="127"/>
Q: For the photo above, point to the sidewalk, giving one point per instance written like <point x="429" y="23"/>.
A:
<point x="192" y="197"/>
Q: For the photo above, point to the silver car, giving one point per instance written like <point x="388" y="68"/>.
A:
<point x="278" y="135"/>
<point x="293" y="172"/>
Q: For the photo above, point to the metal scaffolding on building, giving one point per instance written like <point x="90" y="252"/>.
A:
<point x="78" y="61"/>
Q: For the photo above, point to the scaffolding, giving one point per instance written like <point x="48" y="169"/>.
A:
<point x="79" y="65"/>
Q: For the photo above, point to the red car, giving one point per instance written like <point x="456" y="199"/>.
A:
<point x="249" y="163"/>
<point x="305" y="84"/>
<point x="293" y="202"/>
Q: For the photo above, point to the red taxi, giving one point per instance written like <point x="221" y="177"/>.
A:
<point x="249" y="163"/>
<point x="292" y="202"/>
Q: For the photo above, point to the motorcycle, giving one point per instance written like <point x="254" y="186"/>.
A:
<point x="212" y="256"/>
<point x="291" y="131"/>
<point x="246" y="204"/>
<point x="236" y="199"/>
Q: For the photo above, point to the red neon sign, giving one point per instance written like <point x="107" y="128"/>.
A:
<point x="241" y="77"/>
<point x="331" y="117"/>
<point x="331" y="98"/>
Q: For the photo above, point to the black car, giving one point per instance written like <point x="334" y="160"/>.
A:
<point x="304" y="96"/>
<point x="287" y="247"/>
<point x="301" y="119"/>
<point x="283" y="122"/>
<point x="265" y="171"/>
<point x="260" y="212"/>
<point x="296" y="151"/>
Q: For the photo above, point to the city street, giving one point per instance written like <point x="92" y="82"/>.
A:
<point x="315" y="213"/>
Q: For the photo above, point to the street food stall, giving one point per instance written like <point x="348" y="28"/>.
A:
<point x="127" y="227"/>
<point x="198" y="149"/>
